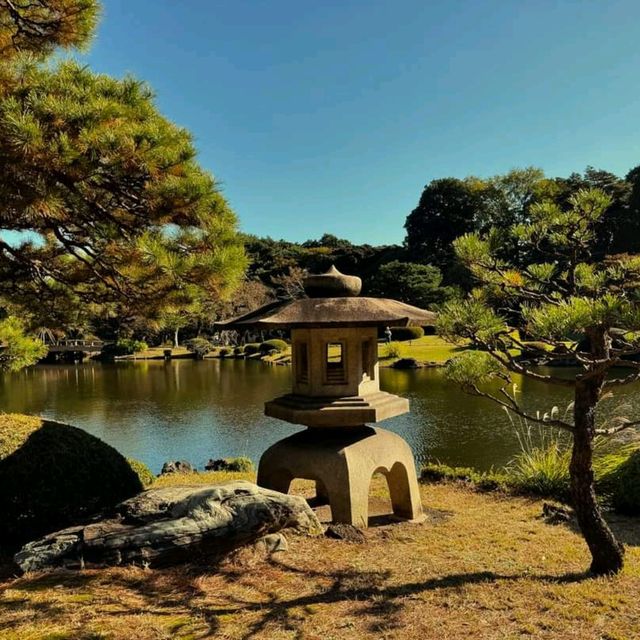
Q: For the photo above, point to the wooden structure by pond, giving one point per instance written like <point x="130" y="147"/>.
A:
<point x="336" y="392"/>
<point x="72" y="349"/>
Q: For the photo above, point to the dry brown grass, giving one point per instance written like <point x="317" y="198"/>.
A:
<point x="481" y="566"/>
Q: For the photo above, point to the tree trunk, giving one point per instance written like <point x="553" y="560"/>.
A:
<point x="606" y="552"/>
<point x="176" y="344"/>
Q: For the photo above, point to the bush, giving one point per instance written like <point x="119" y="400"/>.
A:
<point x="393" y="350"/>
<point x="251" y="348"/>
<point x="620" y="483"/>
<point x="54" y="475"/>
<point x="199" y="346"/>
<point x="240" y="464"/>
<point x="238" y="351"/>
<point x="273" y="345"/>
<point x="406" y="363"/>
<point x="125" y="347"/>
<point x="487" y="481"/>
<point x="143" y="472"/>
<point x="224" y="352"/>
<point x="403" y="334"/>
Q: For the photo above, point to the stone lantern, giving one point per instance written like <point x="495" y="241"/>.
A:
<point x="336" y="395"/>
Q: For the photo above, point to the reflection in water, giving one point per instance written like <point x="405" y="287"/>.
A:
<point x="185" y="409"/>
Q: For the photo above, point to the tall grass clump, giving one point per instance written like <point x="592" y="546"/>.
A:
<point x="542" y="465"/>
<point x="393" y="350"/>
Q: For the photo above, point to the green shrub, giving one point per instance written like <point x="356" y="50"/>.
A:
<point x="485" y="481"/>
<point x="224" y="352"/>
<point x="393" y="350"/>
<point x="125" y="347"/>
<point x="240" y="464"/>
<point x="406" y="363"/>
<point x="238" y="351"/>
<point x="54" y="475"/>
<point x="273" y="345"/>
<point x="403" y="334"/>
<point x="251" y="348"/>
<point x="143" y="472"/>
<point x="199" y="346"/>
<point x="619" y="481"/>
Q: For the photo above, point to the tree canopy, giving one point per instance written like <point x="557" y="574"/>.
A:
<point x="40" y="26"/>
<point x="416" y="284"/>
<point x="450" y="207"/>
<point x="103" y="195"/>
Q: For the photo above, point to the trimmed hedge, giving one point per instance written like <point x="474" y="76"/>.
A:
<point x="125" y="347"/>
<point x="273" y="345"/>
<point x="199" y="346"/>
<point x="403" y="334"/>
<point x="143" y="472"/>
<point x="251" y="348"/>
<point x="53" y="475"/>
<point x="406" y="363"/>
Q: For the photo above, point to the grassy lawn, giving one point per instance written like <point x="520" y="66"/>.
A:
<point x="481" y="567"/>
<point x="158" y="352"/>
<point x="425" y="349"/>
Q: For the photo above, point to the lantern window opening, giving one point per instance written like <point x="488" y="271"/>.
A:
<point x="302" y="362"/>
<point x="368" y="361"/>
<point x="335" y="357"/>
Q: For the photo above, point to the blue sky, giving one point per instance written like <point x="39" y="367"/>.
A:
<point x="332" y="116"/>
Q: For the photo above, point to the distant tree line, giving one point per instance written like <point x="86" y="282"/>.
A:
<point x="423" y="271"/>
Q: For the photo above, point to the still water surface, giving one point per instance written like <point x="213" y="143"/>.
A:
<point x="156" y="411"/>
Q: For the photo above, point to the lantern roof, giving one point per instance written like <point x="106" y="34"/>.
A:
<point x="333" y="301"/>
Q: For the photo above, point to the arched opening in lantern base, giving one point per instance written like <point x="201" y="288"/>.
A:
<point x="342" y="463"/>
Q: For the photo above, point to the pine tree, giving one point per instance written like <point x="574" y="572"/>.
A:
<point x="109" y="192"/>
<point x="40" y="26"/>
<point x="572" y="305"/>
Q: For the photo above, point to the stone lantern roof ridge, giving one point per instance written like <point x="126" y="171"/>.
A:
<point x="333" y="300"/>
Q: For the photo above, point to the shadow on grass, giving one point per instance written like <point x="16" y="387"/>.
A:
<point x="180" y="592"/>
<point x="625" y="528"/>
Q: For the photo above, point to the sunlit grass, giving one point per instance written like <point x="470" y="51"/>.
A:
<point x="483" y="566"/>
<point x="425" y="349"/>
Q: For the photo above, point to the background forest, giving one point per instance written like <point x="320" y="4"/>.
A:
<point x="423" y="271"/>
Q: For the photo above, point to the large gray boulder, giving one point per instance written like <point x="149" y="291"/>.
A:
<point x="173" y="524"/>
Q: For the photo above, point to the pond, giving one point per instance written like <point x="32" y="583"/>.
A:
<point x="184" y="409"/>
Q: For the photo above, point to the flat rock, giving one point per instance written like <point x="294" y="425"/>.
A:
<point x="175" y="524"/>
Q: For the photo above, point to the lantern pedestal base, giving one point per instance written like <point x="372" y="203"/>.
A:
<point x="342" y="463"/>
